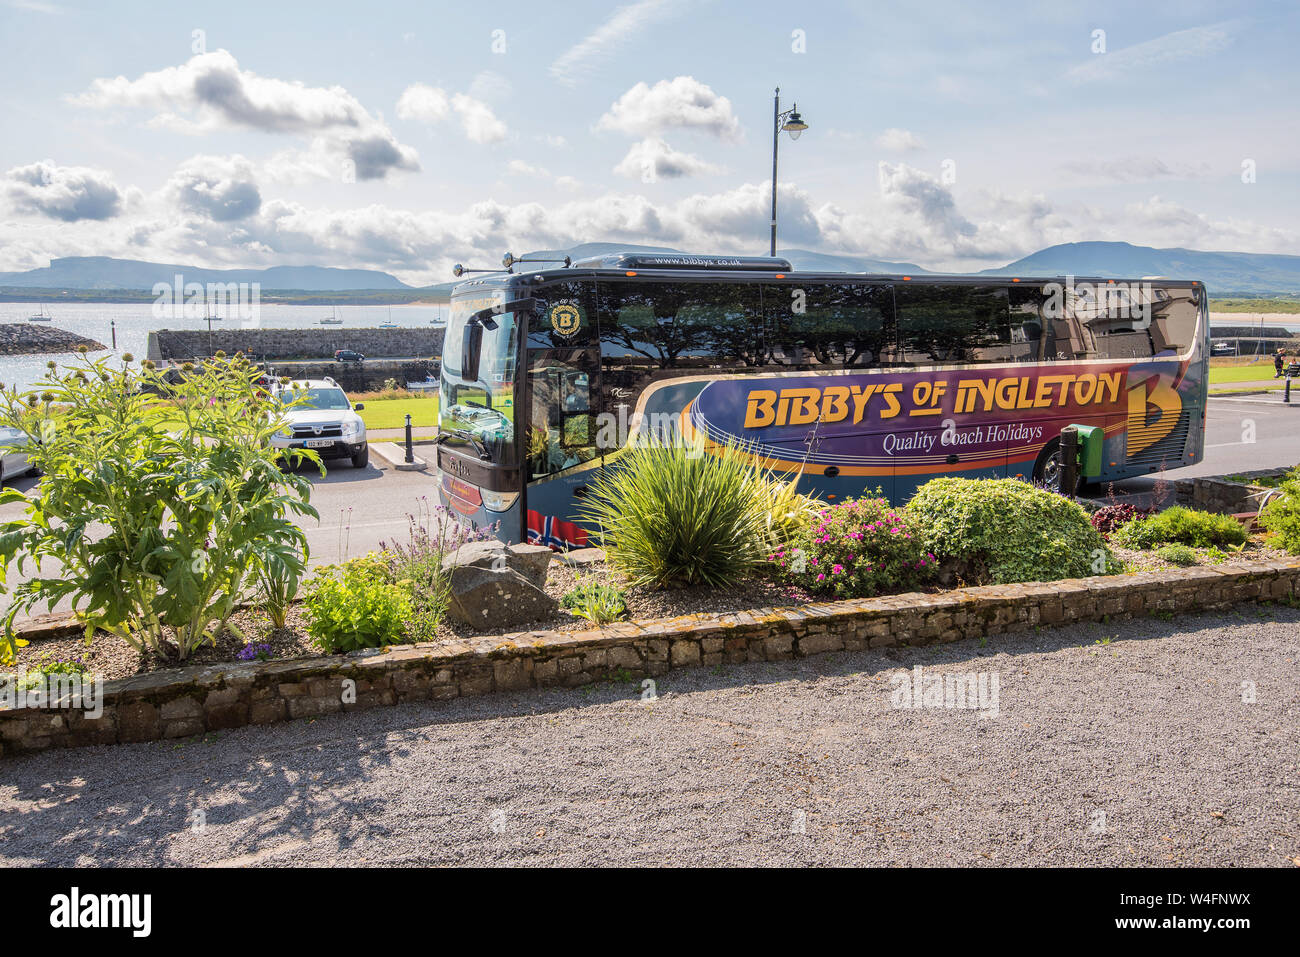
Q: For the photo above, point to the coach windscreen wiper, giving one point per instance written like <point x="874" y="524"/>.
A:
<point x="469" y="437"/>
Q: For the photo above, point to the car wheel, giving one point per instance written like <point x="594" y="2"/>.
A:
<point x="362" y="458"/>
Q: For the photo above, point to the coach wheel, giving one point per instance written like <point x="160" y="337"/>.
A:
<point x="1048" y="467"/>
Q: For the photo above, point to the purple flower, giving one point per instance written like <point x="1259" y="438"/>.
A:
<point x="259" y="650"/>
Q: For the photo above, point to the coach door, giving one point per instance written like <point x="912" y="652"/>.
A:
<point x="562" y="364"/>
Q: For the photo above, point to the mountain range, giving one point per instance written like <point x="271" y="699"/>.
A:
<point x="1224" y="273"/>
<point x="102" y="272"/>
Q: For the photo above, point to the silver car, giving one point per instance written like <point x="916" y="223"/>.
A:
<point x="13" y="454"/>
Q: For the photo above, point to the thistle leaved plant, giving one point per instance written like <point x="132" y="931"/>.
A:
<point x="161" y="500"/>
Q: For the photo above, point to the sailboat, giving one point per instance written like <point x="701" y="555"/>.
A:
<point x="42" y="316"/>
<point x="333" y="320"/>
<point x="389" y="324"/>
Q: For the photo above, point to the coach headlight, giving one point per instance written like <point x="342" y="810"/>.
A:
<point x="498" y="501"/>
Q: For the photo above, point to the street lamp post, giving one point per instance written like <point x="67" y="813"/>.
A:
<point x="792" y="123"/>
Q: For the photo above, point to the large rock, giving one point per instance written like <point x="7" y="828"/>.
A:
<point x="494" y="585"/>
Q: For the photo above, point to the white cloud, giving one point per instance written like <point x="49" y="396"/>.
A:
<point x="680" y="103"/>
<point x="1192" y="43"/>
<point x="424" y="103"/>
<point x="1134" y="169"/>
<point x="428" y="104"/>
<point x="490" y="85"/>
<point x="477" y="120"/>
<point x="584" y="57"/>
<point x="67" y="193"/>
<point x="213" y="86"/>
<point x="653" y="159"/>
<point x="34" y="6"/>
<point x="899" y="141"/>
<point x="914" y="217"/>
<point x="520" y="168"/>
<point x="221" y="188"/>
<point x="210" y="92"/>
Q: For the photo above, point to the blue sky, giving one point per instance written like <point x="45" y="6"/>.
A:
<point x="409" y="136"/>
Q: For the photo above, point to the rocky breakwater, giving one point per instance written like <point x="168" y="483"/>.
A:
<point x="28" y="339"/>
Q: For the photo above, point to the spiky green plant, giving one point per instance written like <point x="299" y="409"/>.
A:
<point x="598" y="602"/>
<point x="670" y="514"/>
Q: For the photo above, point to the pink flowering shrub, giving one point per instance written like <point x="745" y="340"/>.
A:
<point x="856" y="549"/>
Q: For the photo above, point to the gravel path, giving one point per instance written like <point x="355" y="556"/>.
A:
<point x="802" y="762"/>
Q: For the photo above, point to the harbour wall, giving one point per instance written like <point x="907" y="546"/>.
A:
<point x="270" y="345"/>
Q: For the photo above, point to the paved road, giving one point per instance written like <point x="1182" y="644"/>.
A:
<point x="1140" y="751"/>
<point x="1241" y="434"/>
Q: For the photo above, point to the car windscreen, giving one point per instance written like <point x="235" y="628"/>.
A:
<point x="327" y="400"/>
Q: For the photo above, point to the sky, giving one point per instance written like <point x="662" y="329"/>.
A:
<point x="408" y="137"/>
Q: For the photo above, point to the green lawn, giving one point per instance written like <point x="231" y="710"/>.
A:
<point x="391" y="413"/>
<point x="1281" y="304"/>
<point x="1223" y="374"/>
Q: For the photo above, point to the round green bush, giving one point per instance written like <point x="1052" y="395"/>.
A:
<point x="1281" y="516"/>
<point x="1180" y="526"/>
<point x="1179" y="555"/>
<point x="1005" y="530"/>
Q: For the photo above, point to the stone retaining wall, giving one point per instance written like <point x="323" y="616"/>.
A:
<point x="190" y="701"/>
<point x="1213" y="493"/>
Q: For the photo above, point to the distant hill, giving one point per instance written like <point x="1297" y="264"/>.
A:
<point x="831" y="262"/>
<point x="1224" y="273"/>
<point x="802" y="259"/>
<point x="101" y="272"/>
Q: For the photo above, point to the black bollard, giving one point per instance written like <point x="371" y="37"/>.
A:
<point x="410" y="452"/>
<point x="1069" y="461"/>
<point x="1286" y="391"/>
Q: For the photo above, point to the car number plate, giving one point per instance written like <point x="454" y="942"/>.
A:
<point x="318" y="443"/>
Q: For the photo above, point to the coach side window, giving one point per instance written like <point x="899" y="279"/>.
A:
<point x="838" y="325"/>
<point x="1136" y="320"/>
<point x="941" y="323"/>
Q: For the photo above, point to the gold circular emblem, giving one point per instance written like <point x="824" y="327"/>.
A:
<point x="566" y="318"/>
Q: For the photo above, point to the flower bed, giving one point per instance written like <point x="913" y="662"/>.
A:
<point x="196" y="699"/>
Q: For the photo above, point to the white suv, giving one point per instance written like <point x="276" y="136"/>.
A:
<point x="325" y="421"/>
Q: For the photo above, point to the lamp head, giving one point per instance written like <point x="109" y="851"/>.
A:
<point x="794" y="124"/>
